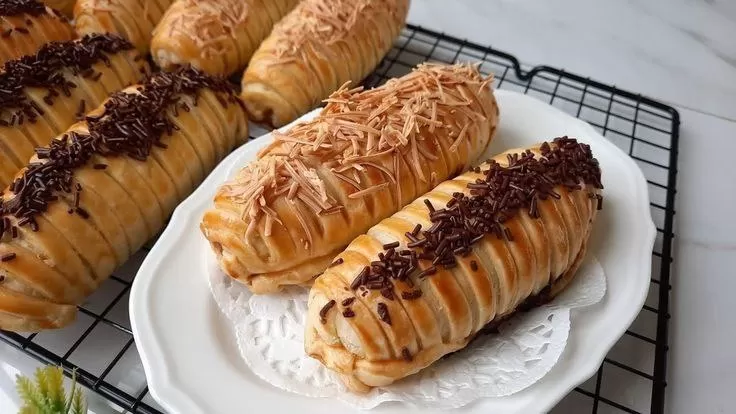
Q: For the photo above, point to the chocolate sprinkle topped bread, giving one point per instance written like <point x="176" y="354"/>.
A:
<point x="26" y="25"/>
<point x="97" y="193"/>
<point x="282" y="219"/>
<point x="41" y="95"/>
<point x="422" y="283"/>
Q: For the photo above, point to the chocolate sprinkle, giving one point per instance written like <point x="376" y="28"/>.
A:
<point x="131" y="125"/>
<point x="348" y="313"/>
<point x="348" y="301"/>
<point x="82" y="212"/>
<point x="414" y="294"/>
<point x="382" y="310"/>
<point x="324" y="310"/>
<point x="391" y="245"/>
<point x="337" y="261"/>
<point x="7" y="257"/>
<point x="406" y="354"/>
<point x="16" y="7"/>
<point x="387" y="293"/>
<point x="80" y="110"/>
<point x="473" y="266"/>
<point x="46" y="70"/>
<point x="494" y="199"/>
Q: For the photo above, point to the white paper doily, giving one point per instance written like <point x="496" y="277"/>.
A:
<point x="270" y="335"/>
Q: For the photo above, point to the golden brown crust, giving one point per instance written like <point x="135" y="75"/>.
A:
<point x="24" y="34"/>
<point x="55" y="268"/>
<point x="365" y="156"/>
<point x="218" y="37"/>
<point x="18" y="141"/>
<point x="66" y="7"/>
<point x="488" y="284"/>
<point x="315" y="49"/>
<point x="135" y="20"/>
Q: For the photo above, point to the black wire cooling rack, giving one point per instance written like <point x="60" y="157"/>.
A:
<point x="632" y="378"/>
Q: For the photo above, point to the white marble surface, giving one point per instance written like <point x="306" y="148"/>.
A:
<point x="679" y="51"/>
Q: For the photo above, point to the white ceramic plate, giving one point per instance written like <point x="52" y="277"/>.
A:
<point x="188" y="349"/>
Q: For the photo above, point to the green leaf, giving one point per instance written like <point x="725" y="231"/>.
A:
<point x="47" y="395"/>
<point x="28" y="394"/>
<point x="55" y="386"/>
<point x="80" y="406"/>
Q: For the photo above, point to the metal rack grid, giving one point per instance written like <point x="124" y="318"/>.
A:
<point x="632" y="378"/>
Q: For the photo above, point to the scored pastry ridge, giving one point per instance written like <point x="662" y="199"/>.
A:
<point x="134" y="20"/>
<point x="467" y="255"/>
<point x="285" y="215"/>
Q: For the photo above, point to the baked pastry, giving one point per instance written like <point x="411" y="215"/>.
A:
<point x="314" y="50"/>
<point x="43" y="94"/>
<point x="283" y="217"/>
<point x="216" y="36"/>
<point x="66" y="7"/>
<point x="132" y="19"/>
<point x="26" y="25"/>
<point x="91" y="198"/>
<point x="421" y="284"/>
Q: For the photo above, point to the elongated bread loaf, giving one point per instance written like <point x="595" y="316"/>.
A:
<point x="283" y="218"/>
<point x="96" y="194"/>
<point x="26" y="25"/>
<point x="316" y="48"/>
<point x="66" y="7"/>
<point x="43" y="94"/>
<point x="131" y="19"/>
<point x="216" y="36"/>
<point x="422" y="283"/>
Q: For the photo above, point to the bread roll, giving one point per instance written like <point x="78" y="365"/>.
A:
<point x="216" y="36"/>
<point x="132" y="19"/>
<point x="284" y="217"/>
<point x="97" y="193"/>
<point x="424" y="282"/>
<point x="26" y="25"/>
<point x="43" y="94"/>
<point x="66" y="7"/>
<point x="314" y="50"/>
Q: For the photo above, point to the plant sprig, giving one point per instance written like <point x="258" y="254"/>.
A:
<point x="45" y="394"/>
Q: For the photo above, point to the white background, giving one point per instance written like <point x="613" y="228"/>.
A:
<point x="680" y="51"/>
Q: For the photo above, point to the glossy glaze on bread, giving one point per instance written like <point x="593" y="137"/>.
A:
<point x="314" y="50"/>
<point x="131" y="19"/>
<point x="216" y="36"/>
